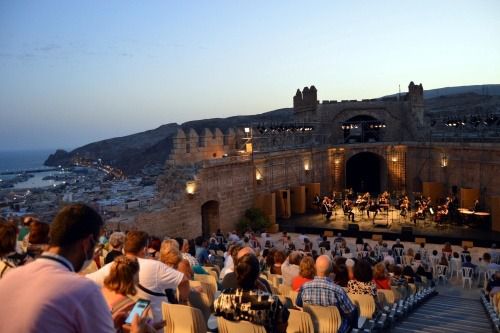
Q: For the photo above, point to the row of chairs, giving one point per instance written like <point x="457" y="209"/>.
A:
<point x="492" y="306"/>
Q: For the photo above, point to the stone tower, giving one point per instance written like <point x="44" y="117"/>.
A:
<point x="416" y="100"/>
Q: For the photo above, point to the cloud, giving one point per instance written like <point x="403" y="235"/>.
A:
<point x="48" y="47"/>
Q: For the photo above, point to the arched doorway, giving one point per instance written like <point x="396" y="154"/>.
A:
<point x="210" y="217"/>
<point x="366" y="172"/>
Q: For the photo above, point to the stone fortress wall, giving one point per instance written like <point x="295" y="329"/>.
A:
<point x="211" y="177"/>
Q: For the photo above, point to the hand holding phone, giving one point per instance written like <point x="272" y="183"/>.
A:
<point x="140" y="306"/>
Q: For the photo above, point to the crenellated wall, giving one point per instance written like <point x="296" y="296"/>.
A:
<point x="193" y="147"/>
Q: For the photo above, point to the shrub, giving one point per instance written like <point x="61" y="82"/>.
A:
<point x="253" y="219"/>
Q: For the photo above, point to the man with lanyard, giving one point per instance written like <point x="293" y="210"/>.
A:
<point x="47" y="295"/>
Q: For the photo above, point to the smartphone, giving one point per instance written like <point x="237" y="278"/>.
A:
<point x="139" y="308"/>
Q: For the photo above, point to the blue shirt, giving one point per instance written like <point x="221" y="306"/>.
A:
<point x="201" y="255"/>
<point x="322" y="291"/>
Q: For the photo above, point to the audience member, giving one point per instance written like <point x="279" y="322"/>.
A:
<point x="116" y="241"/>
<point x="9" y="258"/>
<point x="306" y="273"/>
<point x="380" y="276"/>
<point x="322" y="291"/>
<point x="46" y="295"/>
<point x="154" y="276"/>
<point x="248" y="302"/>
<point x="362" y="283"/>
<point x="290" y="268"/>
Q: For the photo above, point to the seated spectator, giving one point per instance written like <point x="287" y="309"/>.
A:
<point x="116" y="241"/>
<point x="52" y="297"/>
<point x="325" y="243"/>
<point x="380" y="276"/>
<point x="248" y="302"/>
<point x="38" y="238"/>
<point x="322" y="291"/>
<point x="398" y="245"/>
<point x="119" y="285"/>
<point x="185" y="250"/>
<point x="306" y="273"/>
<point x="229" y="261"/>
<point x="347" y="253"/>
<point x="493" y="285"/>
<point x="339" y="239"/>
<point x="362" y="283"/>
<point x="468" y="262"/>
<point x="389" y="259"/>
<point x="349" y="264"/>
<point x="201" y="251"/>
<point x="487" y="262"/>
<point x="447" y="250"/>
<point x="279" y="258"/>
<point x="230" y="280"/>
<point x="154" y="276"/>
<point x="409" y="274"/>
<point x="290" y="268"/>
<point x="464" y="253"/>
<point x="443" y="261"/>
<point x="9" y="258"/>
<point x="153" y="250"/>
<point x="340" y="271"/>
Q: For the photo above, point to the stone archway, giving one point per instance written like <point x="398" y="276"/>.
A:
<point x="366" y="172"/>
<point x="210" y="219"/>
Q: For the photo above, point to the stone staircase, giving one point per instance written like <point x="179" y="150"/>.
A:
<point x="445" y="314"/>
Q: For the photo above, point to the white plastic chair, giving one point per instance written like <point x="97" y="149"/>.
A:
<point x="441" y="272"/>
<point x="398" y="253"/>
<point x="466" y="276"/>
<point x="455" y="266"/>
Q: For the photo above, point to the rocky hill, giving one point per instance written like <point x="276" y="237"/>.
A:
<point x="132" y="153"/>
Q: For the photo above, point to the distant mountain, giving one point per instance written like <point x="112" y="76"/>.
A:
<point x="481" y="89"/>
<point x="133" y="152"/>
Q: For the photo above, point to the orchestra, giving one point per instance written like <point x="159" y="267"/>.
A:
<point x="441" y="210"/>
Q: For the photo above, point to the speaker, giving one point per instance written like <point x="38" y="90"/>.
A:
<point x="353" y="227"/>
<point x="407" y="234"/>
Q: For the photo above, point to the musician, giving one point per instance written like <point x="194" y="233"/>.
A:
<point x="372" y="207"/>
<point x="476" y="207"/>
<point x="347" y="206"/>
<point x="404" y="205"/>
<point x="441" y="213"/>
<point x="327" y="207"/>
<point x="419" y="213"/>
<point x="317" y="200"/>
<point x="360" y="204"/>
<point x="383" y="200"/>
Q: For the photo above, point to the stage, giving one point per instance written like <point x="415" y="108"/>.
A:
<point x="391" y="225"/>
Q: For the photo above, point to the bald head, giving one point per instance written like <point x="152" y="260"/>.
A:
<point x="244" y="251"/>
<point x="323" y="266"/>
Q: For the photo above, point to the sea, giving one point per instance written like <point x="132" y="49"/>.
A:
<point x="26" y="160"/>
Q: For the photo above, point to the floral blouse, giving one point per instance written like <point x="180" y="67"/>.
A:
<point x="361" y="288"/>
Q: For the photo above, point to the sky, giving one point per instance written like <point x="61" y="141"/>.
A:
<point x="74" y="72"/>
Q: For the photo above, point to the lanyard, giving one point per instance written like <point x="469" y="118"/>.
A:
<point x="58" y="260"/>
